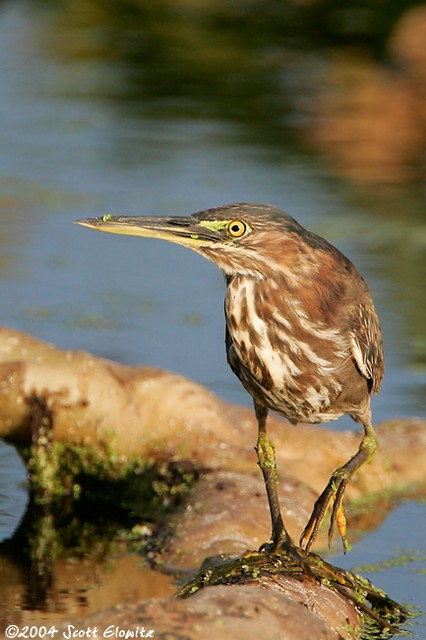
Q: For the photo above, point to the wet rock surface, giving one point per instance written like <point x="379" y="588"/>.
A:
<point x="233" y="611"/>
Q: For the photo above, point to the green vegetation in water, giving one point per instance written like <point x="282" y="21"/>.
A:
<point x="64" y="472"/>
<point x="95" y="321"/>
<point x="193" y="319"/>
<point x="405" y="558"/>
<point x="81" y="496"/>
<point x="83" y="499"/>
<point x="40" y="312"/>
<point x="106" y="217"/>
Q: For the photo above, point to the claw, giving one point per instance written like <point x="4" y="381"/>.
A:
<point x="338" y="518"/>
<point x="321" y="505"/>
<point x="341" y="521"/>
<point x="332" y="493"/>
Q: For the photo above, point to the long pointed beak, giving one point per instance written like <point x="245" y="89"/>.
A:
<point x="181" y="230"/>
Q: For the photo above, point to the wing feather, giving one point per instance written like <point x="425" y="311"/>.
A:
<point x="366" y="345"/>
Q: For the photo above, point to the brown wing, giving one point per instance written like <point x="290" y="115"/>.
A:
<point x="366" y="344"/>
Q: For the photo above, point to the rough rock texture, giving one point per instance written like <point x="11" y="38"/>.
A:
<point x="227" y="512"/>
<point x="236" y="612"/>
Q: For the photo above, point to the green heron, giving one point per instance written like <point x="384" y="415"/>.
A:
<point x="302" y="334"/>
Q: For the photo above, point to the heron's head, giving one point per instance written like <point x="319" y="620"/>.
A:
<point x="247" y="239"/>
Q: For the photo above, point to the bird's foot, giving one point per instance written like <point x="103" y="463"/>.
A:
<point x="282" y="544"/>
<point x="332" y="493"/>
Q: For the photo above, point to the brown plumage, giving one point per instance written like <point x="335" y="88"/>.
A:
<point x="302" y="333"/>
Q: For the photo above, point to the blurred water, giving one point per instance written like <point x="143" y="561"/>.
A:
<point x="394" y="559"/>
<point x="69" y="150"/>
<point x="13" y="494"/>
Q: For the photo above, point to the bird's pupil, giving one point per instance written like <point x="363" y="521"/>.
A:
<point x="236" y="228"/>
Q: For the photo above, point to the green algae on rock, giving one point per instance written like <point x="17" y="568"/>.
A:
<point x="63" y="470"/>
<point x="377" y="611"/>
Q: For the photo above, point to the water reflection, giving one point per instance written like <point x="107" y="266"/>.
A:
<point x="254" y="65"/>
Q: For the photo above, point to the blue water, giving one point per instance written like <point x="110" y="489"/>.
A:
<point x="67" y="152"/>
<point x="394" y="559"/>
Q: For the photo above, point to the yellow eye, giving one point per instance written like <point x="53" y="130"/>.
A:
<point x="237" y="228"/>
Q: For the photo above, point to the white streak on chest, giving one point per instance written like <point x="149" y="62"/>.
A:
<point x="281" y="368"/>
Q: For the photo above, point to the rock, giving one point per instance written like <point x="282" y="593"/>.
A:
<point x="242" y="613"/>
<point x="100" y="403"/>
<point x="226" y="513"/>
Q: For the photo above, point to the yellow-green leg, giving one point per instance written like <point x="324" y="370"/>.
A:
<point x="266" y="457"/>
<point x="335" y="490"/>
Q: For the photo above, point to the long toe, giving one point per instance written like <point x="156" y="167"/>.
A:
<point x="333" y="493"/>
<point x="310" y="532"/>
<point x="338" y="517"/>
